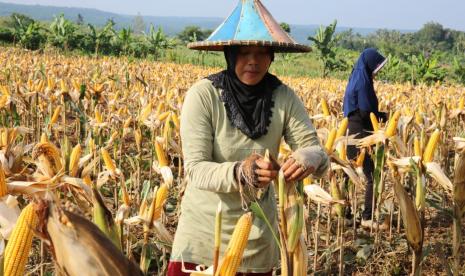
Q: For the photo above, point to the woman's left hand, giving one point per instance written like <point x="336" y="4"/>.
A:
<point x="293" y="171"/>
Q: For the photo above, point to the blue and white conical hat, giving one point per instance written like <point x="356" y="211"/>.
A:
<point x="250" y="23"/>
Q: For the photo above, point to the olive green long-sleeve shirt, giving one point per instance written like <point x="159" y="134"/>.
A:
<point x="211" y="147"/>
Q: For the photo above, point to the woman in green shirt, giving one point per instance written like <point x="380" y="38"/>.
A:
<point x="227" y="119"/>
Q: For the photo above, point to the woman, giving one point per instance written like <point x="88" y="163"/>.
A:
<point x="226" y="120"/>
<point x="359" y="101"/>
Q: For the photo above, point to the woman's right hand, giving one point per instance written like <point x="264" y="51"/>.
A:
<point x="257" y="172"/>
<point x="266" y="172"/>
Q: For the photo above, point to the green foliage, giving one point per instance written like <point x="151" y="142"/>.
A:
<point x="459" y="70"/>
<point x="29" y="34"/>
<point x="426" y="69"/>
<point x="325" y="43"/>
<point x="193" y="33"/>
<point x="158" y="41"/>
<point x="285" y="27"/>
<point x="62" y="32"/>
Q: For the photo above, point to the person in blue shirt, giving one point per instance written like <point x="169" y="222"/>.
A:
<point x="359" y="101"/>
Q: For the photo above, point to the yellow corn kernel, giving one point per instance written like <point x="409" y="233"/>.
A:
<point x="428" y="154"/>
<point x="360" y="158"/>
<point x="330" y="142"/>
<point x="98" y="117"/>
<point x="63" y="86"/>
<point x="418" y="118"/>
<point x="43" y="138"/>
<point x="374" y="121"/>
<point x="20" y="242"/>
<point x="342" y="128"/>
<point x="145" y="113"/>
<point x="161" y="156"/>
<point x="324" y="107"/>
<point x="461" y="103"/>
<point x="175" y="119"/>
<point x="107" y="160"/>
<point x="56" y="115"/>
<point x="162" y="195"/>
<point x="3" y="188"/>
<point x="392" y="124"/>
<point x="163" y="116"/>
<point x="236" y="246"/>
<point x="343" y="151"/>
<point x="74" y="160"/>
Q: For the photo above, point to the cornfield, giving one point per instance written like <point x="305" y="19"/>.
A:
<point x="92" y="173"/>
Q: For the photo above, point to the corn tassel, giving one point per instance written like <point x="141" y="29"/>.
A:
<point x="20" y="243"/>
<point x="431" y="146"/>
<point x="236" y="246"/>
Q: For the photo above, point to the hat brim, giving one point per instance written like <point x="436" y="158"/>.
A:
<point x="278" y="47"/>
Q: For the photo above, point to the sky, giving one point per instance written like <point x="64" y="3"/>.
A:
<point x="393" y="14"/>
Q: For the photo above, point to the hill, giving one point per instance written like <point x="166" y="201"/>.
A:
<point x="170" y="24"/>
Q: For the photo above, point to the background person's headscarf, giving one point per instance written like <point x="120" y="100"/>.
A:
<point x="360" y="93"/>
<point x="248" y="107"/>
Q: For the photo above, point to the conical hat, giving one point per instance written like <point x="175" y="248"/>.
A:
<point x="250" y="24"/>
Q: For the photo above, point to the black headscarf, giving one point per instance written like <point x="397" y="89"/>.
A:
<point x="248" y="107"/>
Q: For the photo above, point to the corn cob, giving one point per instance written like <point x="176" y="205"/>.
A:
<point x="74" y="160"/>
<point x="461" y="105"/>
<point x="236" y="246"/>
<point x="342" y="128"/>
<point x="330" y="142"/>
<point x="162" y="195"/>
<point x="20" y="243"/>
<point x="55" y="115"/>
<point x="175" y="119"/>
<point x="324" y="107"/>
<point x="98" y="117"/>
<point x="374" y="121"/>
<point x="428" y="154"/>
<point x="145" y="113"/>
<point x="161" y="156"/>
<point x="107" y="160"/>
<point x="163" y="116"/>
<point x="392" y="124"/>
<point x="3" y="187"/>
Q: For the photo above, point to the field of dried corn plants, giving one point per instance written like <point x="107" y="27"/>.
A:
<point x="93" y="143"/>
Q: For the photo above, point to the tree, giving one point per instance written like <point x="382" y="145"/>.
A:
<point x="101" y="37"/>
<point x="285" y="27"/>
<point x="62" y="32"/>
<point x="193" y="33"/>
<point x="138" y="24"/>
<point x="124" y="37"/>
<point x="27" y="32"/>
<point x="325" y="43"/>
<point x="157" y="41"/>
